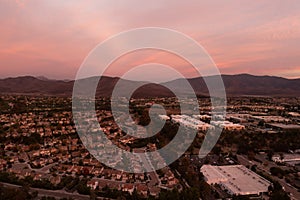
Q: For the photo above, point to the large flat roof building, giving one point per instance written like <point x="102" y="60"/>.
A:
<point x="190" y="122"/>
<point x="226" y="125"/>
<point x="290" y="159"/>
<point x="279" y="126"/>
<point x="235" y="179"/>
<point x="270" y="119"/>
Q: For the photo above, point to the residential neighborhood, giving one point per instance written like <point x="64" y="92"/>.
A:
<point x="42" y="148"/>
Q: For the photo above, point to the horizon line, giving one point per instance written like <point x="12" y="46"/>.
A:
<point x="66" y="80"/>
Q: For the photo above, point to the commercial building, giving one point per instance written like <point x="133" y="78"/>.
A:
<point x="290" y="159"/>
<point x="270" y="119"/>
<point x="238" y="118"/>
<point x="190" y="122"/>
<point x="283" y="127"/>
<point x="235" y="179"/>
<point x="229" y="126"/>
<point x="164" y="117"/>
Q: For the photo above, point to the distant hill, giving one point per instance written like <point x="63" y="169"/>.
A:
<point x="33" y="85"/>
<point x="249" y="85"/>
<point x="246" y="84"/>
<point x="236" y="85"/>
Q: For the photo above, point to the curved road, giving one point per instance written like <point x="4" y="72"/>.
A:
<point x="55" y="193"/>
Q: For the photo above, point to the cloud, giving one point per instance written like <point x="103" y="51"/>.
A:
<point x="240" y="36"/>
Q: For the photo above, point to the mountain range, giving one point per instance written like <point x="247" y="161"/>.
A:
<point x="235" y="85"/>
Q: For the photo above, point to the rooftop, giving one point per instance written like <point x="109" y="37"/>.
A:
<point x="237" y="179"/>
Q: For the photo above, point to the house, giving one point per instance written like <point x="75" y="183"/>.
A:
<point x="142" y="189"/>
<point x="93" y="184"/>
<point x="128" y="188"/>
<point x="154" y="191"/>
<point x="55" y="180"/>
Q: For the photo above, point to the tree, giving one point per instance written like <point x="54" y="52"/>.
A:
<point x="217" y="150"/>
<point x="82" y="188"/>
<point x="261" y="123"/>
<point x="276" y="171"/>
<point x="279" y="195"/>
<point x="270" y="154"/>
<point x="190" y="194"/>
<point x="93" y="195"/>
<point x="253" y="168"/>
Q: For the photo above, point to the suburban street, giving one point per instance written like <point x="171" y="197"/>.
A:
<point x="55" y="193"/>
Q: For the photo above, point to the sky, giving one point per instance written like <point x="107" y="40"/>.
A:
<point x="52" y="38"/>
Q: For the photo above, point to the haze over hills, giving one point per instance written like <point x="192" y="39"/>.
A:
<point x="235" y="85"/>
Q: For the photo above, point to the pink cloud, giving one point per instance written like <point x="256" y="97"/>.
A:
<point x="43" y="37"/>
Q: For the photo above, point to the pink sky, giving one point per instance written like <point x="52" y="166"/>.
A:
<point x="52" y="37"/>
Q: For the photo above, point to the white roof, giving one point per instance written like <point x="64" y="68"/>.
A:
<point x="237" y="179"/>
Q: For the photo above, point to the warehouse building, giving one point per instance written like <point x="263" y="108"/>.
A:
<point x="235" y="179"/>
